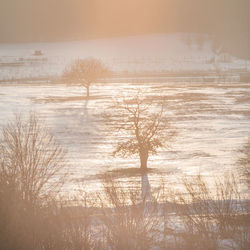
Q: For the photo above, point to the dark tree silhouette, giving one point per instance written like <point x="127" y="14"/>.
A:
<point x="146" y="126"/>
<point x="85" y="72"/>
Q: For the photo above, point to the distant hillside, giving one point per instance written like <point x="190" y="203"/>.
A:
<point x="56" y="20"/>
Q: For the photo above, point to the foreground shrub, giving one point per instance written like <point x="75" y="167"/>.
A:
<point x="132" y="221"/>
<point x="213" y="215"/>
<point x="30" y="161"/>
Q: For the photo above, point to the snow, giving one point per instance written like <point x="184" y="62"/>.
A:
<point x="139" y="53"/>
<point x="211" y="119"/>
<point x="211" y="128"/>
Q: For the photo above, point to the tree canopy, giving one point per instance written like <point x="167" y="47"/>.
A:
<point x="145" y="125"/>
<point x="85" y="72"/>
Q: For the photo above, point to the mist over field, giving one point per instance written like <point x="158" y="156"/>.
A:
<point x="55" y="20"/>
<point x="124" y="124"/>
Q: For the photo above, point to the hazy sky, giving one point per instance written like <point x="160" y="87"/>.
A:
<point x="50" y="20"/>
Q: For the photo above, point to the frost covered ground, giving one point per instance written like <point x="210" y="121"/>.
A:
<point x="173" y="52"/>
<point x="212" y="118"/>
<point x="212" y="121"/>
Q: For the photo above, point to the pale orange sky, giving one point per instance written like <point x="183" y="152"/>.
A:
<point x="52" y="20"/>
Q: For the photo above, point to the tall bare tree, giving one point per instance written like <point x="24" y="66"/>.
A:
<point x="86" y="72"/>
<point x="30" y="158"/>
<point x="146" y="126"/>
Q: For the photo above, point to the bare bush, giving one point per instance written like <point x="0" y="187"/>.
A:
<point x="30" y="161"/>
<point x="30" y="158"/>
<point x="130" y="222"/>
<point x="211" y="213"/>
<point x="70" y="225"/>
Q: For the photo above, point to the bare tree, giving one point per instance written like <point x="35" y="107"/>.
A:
<point x="30" y="158"/>
<point x="146" y="127"/>
<point x="85" y="72"/>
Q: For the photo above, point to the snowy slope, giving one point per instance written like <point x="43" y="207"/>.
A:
<point x="175" y="52"/>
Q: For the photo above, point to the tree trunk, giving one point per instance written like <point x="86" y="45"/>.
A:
<point x="144" y="160"/>
<point x="87" y="88"/>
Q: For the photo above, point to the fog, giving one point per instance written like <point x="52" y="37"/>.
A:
<point x="124" y="124"/>
<point x="56" y="20"/>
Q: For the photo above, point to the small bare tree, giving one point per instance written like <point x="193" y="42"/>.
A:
<point x="146" y="126"/>
<point x="85" y="72"/>
<point x="30" y="158"/>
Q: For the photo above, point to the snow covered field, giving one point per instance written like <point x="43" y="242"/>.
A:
<point x="172" y="52"/>
<point x="212" y="119"/>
